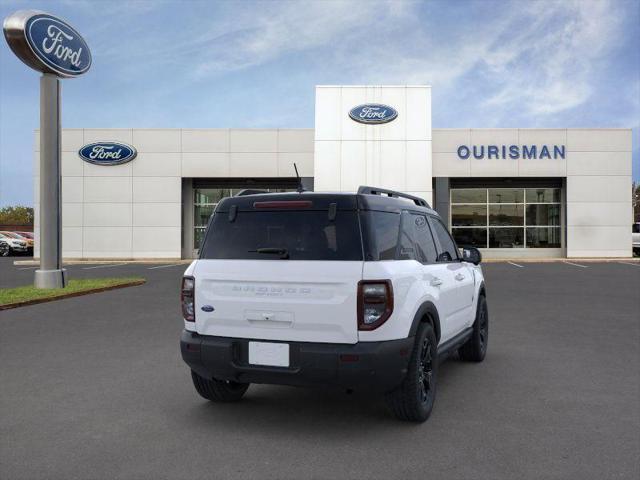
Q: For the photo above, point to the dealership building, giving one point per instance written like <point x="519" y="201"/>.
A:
<point x="514" y="193"/>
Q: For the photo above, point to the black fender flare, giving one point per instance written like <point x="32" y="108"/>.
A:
<point x="482" y="290"/>
<point x="426" y="311"/>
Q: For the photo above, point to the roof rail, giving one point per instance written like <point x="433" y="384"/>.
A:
<point x="363" y="189"/>
<point x="250" y="191"/>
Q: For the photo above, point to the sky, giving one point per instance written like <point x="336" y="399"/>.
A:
<point x="207" y="64"/>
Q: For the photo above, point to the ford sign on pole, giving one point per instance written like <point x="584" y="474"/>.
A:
<point x="51" y="46"/>
<point x="373" y="113"/>
<point x="107" y="153"/>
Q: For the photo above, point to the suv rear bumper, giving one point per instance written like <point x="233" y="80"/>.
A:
<point x="378" y="366"/>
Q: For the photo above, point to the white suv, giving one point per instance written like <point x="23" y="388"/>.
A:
<point x="358" y="291"/>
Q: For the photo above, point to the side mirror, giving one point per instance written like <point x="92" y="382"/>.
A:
<point x="471" y="255"/>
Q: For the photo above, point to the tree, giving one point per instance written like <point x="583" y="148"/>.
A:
<point x="16" y="215"/>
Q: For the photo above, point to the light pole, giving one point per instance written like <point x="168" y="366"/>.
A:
<point x="50" y="274"/>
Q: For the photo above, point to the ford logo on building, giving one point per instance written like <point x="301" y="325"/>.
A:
<point x="373" y="113"/>
<point x="47" y="43"/>
<point x="107" y="153"/>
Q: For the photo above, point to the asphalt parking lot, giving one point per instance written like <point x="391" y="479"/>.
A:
<point x="94" y="387"/>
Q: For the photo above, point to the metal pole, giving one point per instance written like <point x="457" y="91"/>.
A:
<point x="51" y="274"/>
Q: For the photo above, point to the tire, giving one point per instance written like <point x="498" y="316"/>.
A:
<point x="218" y="390"/>
<point x="4" y="250"/>
<point x="413" y="400"/>
<point x="475" y="349"/>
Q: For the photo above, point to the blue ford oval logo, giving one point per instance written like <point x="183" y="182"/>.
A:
<point x="58" y="45"/>
<point x="107" y="153"/>
<point x="207" y="308"/>
<point x="373" y="113"/>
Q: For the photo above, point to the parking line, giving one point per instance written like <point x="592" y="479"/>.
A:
<point x="629" y="263"/>
<point x="105" y="266"/>
<point x="165" y="266"/>
<point x="28" y="268"/>
<point x="576" y="264"/>
<point x="516" y="265"/>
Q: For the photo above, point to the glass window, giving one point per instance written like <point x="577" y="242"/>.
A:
<point x="416" y="241"/>
<point x="381" y="239"/>
<point x="447" y="246"/>
<point x="635" y="228"/>
<point x="541" y="214"/>
<point x="468" y="215"/>
<point x="427" y="252"/>
<point x="506" y="215"/>
<point x="547" y="237"/>
<point x="303" y="235"/>
<point x="198" y="235"/>
<point x="202" y="214"/>
<point x="469" y="195"/>
<point x="506" y="237"/>
<point x="470" y="237"/>
<point x="407" y="250"/>
<point x="210" y="195"/>
<point x="506" y="195"/>
<point x="531" y="208"/>
<point x="543" y="195"/>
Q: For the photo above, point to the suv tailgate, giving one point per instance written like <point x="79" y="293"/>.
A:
<point x="286" y="300"/>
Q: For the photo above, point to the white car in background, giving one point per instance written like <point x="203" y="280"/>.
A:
<point x="635" y="229"/>
<point x="15" y="244"/>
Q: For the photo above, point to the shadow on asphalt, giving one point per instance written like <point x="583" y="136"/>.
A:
<point x="285" y="410"/>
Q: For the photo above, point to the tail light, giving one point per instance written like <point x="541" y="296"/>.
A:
<point x="187" y="298"/>
<point x="375" y="303"/>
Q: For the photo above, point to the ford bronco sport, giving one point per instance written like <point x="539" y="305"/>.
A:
<point x="358" y="291"/>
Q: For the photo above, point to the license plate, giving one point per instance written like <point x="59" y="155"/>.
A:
<point x="270" y="354"/>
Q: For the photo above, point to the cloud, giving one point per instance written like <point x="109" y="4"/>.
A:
<point x="539" y="58"/>
<point x="255" y="38"/>
<point x="549" y="66"/>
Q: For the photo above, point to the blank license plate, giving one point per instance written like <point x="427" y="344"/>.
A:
<point x="271" y="354"/>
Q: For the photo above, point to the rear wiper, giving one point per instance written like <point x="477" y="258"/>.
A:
<point x="283" y="252"/>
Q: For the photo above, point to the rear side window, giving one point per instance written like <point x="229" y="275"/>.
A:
<point x="264" y="235"/>
<point x="416" y="242"/>
<point x="635" y="228"/>
<point x="381" y="233"/>
<point x="447" y="246"/>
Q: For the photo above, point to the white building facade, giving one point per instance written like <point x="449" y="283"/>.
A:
<point x="514" y="193"/>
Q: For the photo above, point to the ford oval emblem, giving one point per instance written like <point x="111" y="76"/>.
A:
<point x="207" y="308"/>
<point x="373" y="113"/>
<point x="107" y="153"/>
<point x="47" y="43"/>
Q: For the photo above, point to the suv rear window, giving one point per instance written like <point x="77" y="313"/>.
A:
<point x="303" y="235"/>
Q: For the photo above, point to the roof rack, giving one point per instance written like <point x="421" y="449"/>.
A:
<point x="250" y="191"/>
<point x="363" y="189"/>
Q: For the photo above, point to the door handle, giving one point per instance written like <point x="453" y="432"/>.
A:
<point x="436" y="282"/>
<point x="459" y="277"/>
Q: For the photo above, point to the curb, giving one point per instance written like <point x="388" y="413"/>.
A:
<point x="62" y="296"/>
<point x="35" y="263"/>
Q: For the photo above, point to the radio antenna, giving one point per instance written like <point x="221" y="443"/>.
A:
<point x="300" y="189"/>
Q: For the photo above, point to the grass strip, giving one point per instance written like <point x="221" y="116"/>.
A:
<point x="29" y="295"/>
